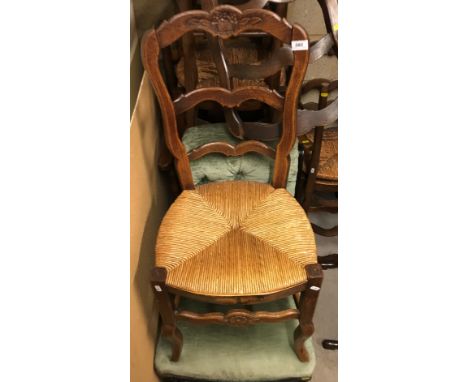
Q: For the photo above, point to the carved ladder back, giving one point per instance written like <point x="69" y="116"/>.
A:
<point x="225" y="22"/>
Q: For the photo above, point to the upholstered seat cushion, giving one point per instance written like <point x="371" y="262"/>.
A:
<point x="218" y="167"/>
<point x="261" y="352"/>
<point x="235" y="239"/>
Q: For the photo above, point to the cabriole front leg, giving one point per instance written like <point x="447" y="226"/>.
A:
<point x="307" y="304"/>
<point x="166" y="309"/>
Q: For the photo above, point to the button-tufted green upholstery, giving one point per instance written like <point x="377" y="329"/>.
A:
<point x="260" y="352"/>
<point x="218" y="167"/>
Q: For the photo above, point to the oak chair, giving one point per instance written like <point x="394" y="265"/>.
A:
<point x="233" y="242"/>
<point x="321" y="159"/>
<point x="320" y="167"/>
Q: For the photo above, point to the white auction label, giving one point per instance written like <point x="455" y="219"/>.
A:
<point x="299" y="45"/>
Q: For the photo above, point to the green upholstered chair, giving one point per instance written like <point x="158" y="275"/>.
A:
<point x="218" y="167"/>
<point x="259" y="353"/>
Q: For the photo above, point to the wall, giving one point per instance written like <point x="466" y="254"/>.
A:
<point x="149" y="200"/>
<point x="144" y="14"/>
<point x="149" y="196"/>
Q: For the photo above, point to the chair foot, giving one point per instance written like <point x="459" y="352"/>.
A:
<point x="330" y="344"/>
<point x="173" y="334"/>
<point x="301" y="334"/>
<point x="166" y="310"/>
<point x="328" y="261"/>
<point x="327" y="232"/>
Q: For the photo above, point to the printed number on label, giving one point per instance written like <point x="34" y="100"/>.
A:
<point x="299" y="45"/>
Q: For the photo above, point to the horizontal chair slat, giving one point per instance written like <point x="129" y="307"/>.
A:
<point x="232" y="150"/>
<point x="228" y="98"/>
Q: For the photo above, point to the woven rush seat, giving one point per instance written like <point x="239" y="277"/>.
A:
<point x="328" y="164"/>
<point x="239" y="239"/>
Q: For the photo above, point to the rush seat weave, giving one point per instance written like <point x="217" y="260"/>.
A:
<point x="242" y="51"/>
<point x="235" y="239"/>
<point x="328" y="165"/>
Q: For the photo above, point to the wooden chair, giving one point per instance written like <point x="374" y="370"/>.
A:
<point x="233" y="242"/>
<point x="320" y="167"/>
<point x="321" y="159"/>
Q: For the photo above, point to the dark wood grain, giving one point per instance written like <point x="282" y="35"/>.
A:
<point x="288" y="137"/>
<point x="150" y="53"/>
<point x="238" y="317"/>
<point x="228" y="98"/>
<point x="224" y="21"/>
<point x="166" y="310"/>
<point x="232" y="150"/>
<point x="307" y="304"/>
<point x="246" y="299"/>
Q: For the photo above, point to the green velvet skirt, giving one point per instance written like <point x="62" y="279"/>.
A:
<point x="260" y="352"/>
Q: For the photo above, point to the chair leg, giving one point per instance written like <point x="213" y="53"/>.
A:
<point x="327" y="232"/>
<point x="166" y="310"/>
<point x="330" y="344"/>
<point x="307" y="304"/>
<point x="328" y="261"/>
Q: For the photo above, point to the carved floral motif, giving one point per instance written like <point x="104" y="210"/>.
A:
<point x="239" y="318"/>
<point x="223" y="22"/>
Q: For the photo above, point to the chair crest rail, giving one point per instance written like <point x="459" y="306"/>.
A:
<point x="224" y="21"/>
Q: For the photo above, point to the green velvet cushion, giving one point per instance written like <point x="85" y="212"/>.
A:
<point x="218" y="167"/>
<point x="260" y="352"/>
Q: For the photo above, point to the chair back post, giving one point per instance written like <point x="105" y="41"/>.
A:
<point x="289" y="128"/>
